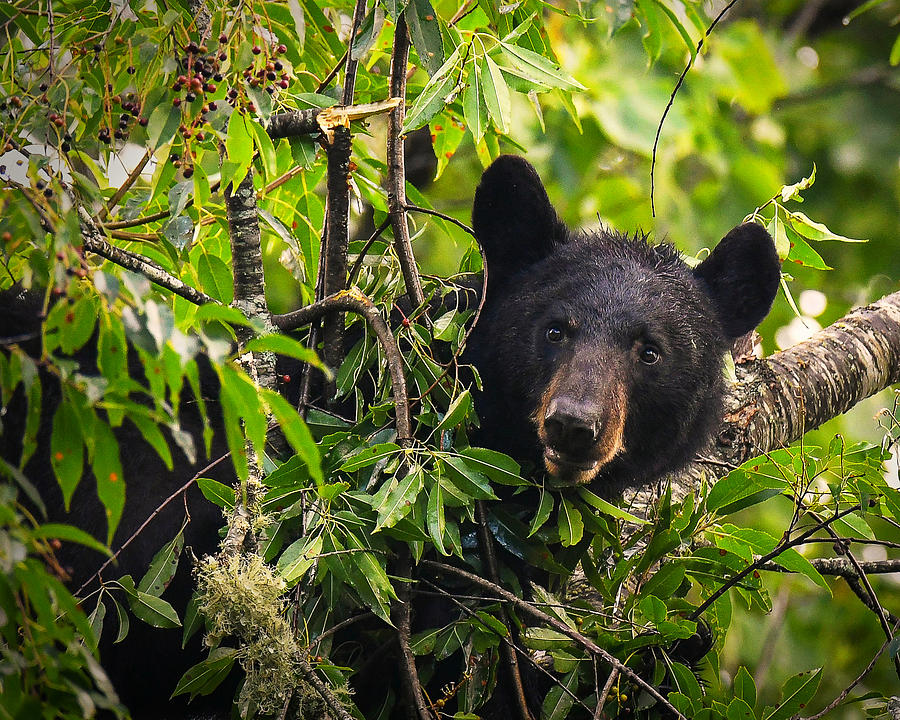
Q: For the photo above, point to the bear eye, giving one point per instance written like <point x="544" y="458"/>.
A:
<point x="649" y="355"/>
<point x="556" y="333"/>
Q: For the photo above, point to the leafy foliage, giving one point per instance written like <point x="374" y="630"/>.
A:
<point x="83" y="87"/>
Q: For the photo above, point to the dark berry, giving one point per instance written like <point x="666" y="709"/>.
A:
<point x="209" y="87"/>
<point x="212" y="105"/>
<point x="270" y="89"/>
<point x="190" y="97"/>
<point x="176" y="102"/>
<point x="119" y="135"/>
<point x="130" y="70"/>
<point x="58" y="122"/>
<point x="282" y="49"/>
<point x="223" y="38"/>
<point x="271" y="75"/>
<point x="65" y="146"/>
<point x="223" y="56"/>
<point x="200" y="136"/>
<point x="192" y="47"/>
<point x="278" y="65"/>
<point x="233" y="94"/>
<point x="97" y="48"/>
<point x="256" y="50"/>
<point x="142" y="121"/>
<point x="48" y="193"/>
<point x="174" y="156"/>
<point x="218" y="77"/>
<point x="2" y="169"/>
<point x="188" y="172"/>
<point x="43" y="87"/>
<point x="40" y="185"/>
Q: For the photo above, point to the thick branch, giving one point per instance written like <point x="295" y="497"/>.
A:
<point x="396" y="162"/>
<point x="337" y="240"/>
<point x="798" y="389"/>
<point x="400" y="611"/>
<point x="353" y="300"/>
<point x="842" y="567"/>
<point x="294" y="123"/>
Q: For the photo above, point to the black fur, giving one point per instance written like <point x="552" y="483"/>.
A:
<point x="615" y="295"/>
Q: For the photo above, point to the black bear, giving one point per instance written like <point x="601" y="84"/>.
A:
<point x="601" y="355"/>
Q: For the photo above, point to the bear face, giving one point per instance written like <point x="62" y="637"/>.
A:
<point x="601" y="355"/>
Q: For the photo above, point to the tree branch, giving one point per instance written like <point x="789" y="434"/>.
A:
<point x="798" y="389"/>
<point x="841" y="567"/>
<point x="538" y="614"/>
<point x="396" y="162"/>
<point x="93" y="241"/>
<point x="353" y="300"/>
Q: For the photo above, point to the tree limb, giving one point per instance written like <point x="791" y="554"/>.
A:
<point x="841" y="567"/>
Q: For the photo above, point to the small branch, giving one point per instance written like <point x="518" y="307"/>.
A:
<point x="846" y="691"/>
<point x="396" y="170"/>
<point x="540" y="615"/>
<point x="757" y="564"/>
<point x="93" y="241"/>
<point x="353" y="300"/>
<point x="359" y="12"/>
<point x="840" y="567"/>
<point x="604" y="693"/>
<point x="129" y="181"/>
<point x="162" y="506"/>
<point x="687" y="69"/>
<point x="511" y="662"/>
<point x="329" y="697"/>
<point x="144" y="220"/>
<point x="449" y="218"/>
<point x="400" y="612"/>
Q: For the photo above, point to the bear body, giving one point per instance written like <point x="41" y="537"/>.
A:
<point x="601" y="360"/>
<point x="601" y="355"/>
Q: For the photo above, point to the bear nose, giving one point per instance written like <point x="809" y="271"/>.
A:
<point x="572" y="426"/>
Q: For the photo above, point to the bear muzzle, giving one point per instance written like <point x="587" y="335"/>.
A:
<point x="579" y="436"/>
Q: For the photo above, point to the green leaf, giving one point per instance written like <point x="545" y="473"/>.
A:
<point x="215" y="278"/>
<point x="287" y="346"/>
<point x="425" y="33"/>
<point x="559" y="699"/>
<point x="776" y="229"/>
<point x="69" y="533"/>
<point x="66" y="450"/>
<point x="435" y="518"/>
<point x="370" y="456"/>
<point x="677" y="24"/>
<point x="239" y="149"/>
<point x="162" y="567"/>
<point x="468" y="479"/>
<point x="474" y="108"/>
<point x="743" y="482"/>
<point x="801" y="252"/>
<point x="433" y="98"/>
<point x="208" y="674"/>
<point x="299" y="557"/>
<point x="536" y="68"/>
<point x="744" y="687"/>
<point x="792" y="192"/>
<point x="814" y="230"/>
<point x="108" y="473"/>
<point x="498" y="467"/>
<point x="545" y="507"/>
<point x="796" y="694"/>
<point x="296" y="432"/>
<point x="571" y="526"/>
<point x="162" y="125"/>
<point x="739" y="710"/>
<point x="399" y="501"/>
<point x="216" y="492"/>
<point x="496" y="94"/>
<point x="606" y="508"/>
<point x="456" y="413"/>
<point x="153" y="610"/>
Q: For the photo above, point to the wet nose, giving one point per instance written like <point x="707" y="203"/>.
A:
<point x="572" y="426"/>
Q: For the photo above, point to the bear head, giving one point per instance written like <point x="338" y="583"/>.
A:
<point x="601" y="355"/>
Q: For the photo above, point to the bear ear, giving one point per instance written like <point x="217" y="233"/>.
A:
<point x="513" y="218"/>
<point x="741" y="275"/>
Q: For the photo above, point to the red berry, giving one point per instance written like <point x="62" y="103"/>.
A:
<point x="176" y="102"/>
<point x="223" y="38"/>
<point x="282" y="48"/>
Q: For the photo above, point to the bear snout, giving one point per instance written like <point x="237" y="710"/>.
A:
<point x="580" y="435"/>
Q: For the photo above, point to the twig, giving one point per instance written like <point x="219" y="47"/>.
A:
<point x="94" y="242"/>
<point x="357" y="265"/>
<point x="329" y="697"/>
<point x="511" y="663"/>
<point x="846" y="691"/>
<point x="180" y="491"/>
<point x="129" y="181"/>
<point x="353" y="300"/>
<point x="757" y="564"/>
<point x="540" y="615"/>
<point x="841" y="567"/>
<point x="684" y="73"/>
<point x="602" y="695"/>
<point x="400" y="611"/>
<point x="449" y="218"/>
<point x="359" y="12"/>
<point x="396" y="166"/>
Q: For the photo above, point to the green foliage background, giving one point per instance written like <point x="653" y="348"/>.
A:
<point x="776" y="91"/>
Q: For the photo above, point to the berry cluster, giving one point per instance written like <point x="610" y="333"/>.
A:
<point x="131" y="108"/>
